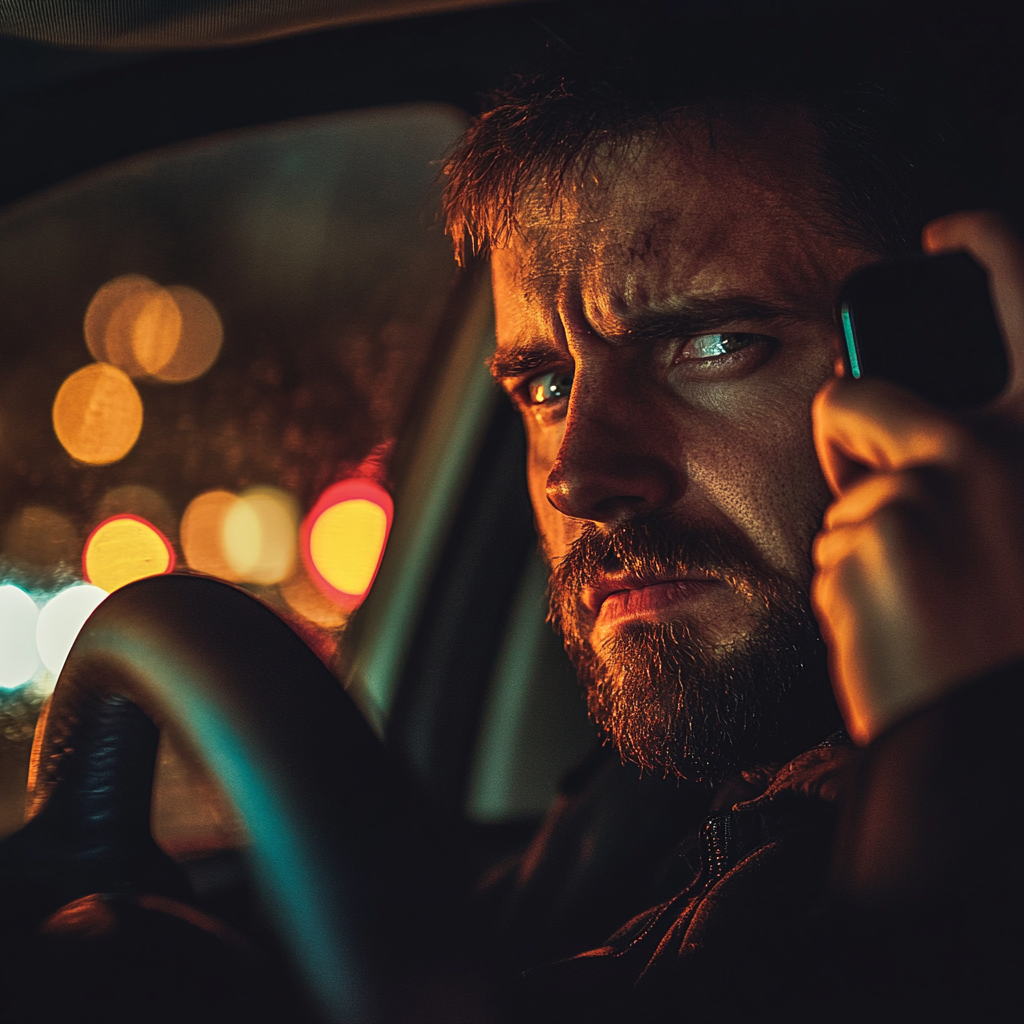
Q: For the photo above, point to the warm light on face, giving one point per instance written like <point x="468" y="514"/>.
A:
<point x="344" y="537"/>
<point x="97" y="414"/>
<point x="18" y="657"/>
<point x="61" y="620"/>
<point x="123" y="549"/>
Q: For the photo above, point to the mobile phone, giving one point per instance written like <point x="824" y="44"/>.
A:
<point x="926" y="324"/>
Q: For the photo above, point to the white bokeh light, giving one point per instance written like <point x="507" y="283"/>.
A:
<point x="18" y="658"/>
<point x="60" y="621"/>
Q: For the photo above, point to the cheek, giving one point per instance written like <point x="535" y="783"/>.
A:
<point x="770" y="483"/>
<point x="765" y="478"/>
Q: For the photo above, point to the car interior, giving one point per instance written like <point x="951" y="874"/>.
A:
<point x="246" y="420"/>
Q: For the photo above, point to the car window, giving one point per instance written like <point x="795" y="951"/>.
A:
<point x="208" y="357"/>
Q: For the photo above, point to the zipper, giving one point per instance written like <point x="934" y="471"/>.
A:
<point x="716" y="839"/>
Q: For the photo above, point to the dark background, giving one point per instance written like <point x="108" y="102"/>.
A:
<point x="65" y="111"/>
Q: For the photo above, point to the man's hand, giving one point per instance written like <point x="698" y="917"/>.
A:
<point x="920" y="562"/>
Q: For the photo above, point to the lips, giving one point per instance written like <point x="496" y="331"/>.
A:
<point x="633" y="597"/>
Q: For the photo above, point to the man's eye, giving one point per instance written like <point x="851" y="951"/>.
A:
<point x="707" y="346"/>
<point x="547" y="387"/>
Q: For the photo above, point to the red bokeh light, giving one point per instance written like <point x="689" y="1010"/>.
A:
<point x="348" y="494"/>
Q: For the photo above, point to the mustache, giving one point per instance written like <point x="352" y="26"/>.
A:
<point x="657" y="545"/>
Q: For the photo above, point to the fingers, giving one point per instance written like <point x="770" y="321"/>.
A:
<point x="866" y="497"/>
<point x="883" y="506"/>
<point x="918" y="573"/>
<point x="872" y="426"/>
<point x="989" y="239"/>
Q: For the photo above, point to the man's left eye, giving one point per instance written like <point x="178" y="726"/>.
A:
<point x="708" y="346"/>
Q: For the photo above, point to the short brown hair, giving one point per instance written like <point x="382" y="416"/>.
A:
<point x="876" y="154"/>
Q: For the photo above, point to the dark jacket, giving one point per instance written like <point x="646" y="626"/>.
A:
<point x="881" y="884"/>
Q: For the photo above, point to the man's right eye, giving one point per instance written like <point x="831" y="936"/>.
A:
<point x="548" y="387"/>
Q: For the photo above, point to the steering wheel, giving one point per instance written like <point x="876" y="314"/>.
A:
<point x="348" y="865"/>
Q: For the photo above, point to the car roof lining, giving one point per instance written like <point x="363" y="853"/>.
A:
<point x="155" y="25"/>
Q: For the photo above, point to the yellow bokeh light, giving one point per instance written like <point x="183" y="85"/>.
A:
<point x="250" y="538"/>
<point x="97" y="414"/>
<point x="304" y="598"/>
<point x="201" y="337"/>
<point x="125" y="549"/>
<point x="345" y="544"/>
<point x="259" y="535"/>
<point x="202" y="534"/>
<point x="137" y="500"/>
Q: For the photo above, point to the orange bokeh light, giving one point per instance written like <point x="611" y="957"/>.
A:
<point x="200" y="339"/>
<point x="202" y="534"/>
<point x="170" y="334"/>
<point x="97" y="414"/>
<point x="154" y="333"/>
<point x="344" y="537"/>
<point x="246" y="538"/>
<point x="123" y="549"/>
<point x="306" y="599"/>
<point x="108" y="316"/>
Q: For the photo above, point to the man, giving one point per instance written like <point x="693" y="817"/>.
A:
<point x="665" y="270"/>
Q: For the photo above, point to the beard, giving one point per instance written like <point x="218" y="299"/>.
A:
<point x="673" y="700"/>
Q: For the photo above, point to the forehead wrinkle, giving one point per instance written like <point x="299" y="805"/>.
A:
<point x="778" y="259"/>
<point x="638" y="245"/>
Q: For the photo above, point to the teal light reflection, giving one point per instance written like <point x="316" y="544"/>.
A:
<point x="851" y="344"/>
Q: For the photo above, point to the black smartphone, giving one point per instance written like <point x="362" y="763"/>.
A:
<point x="926" y="324"/>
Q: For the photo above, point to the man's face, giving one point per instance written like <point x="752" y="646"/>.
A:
<point x="663" y="329"/>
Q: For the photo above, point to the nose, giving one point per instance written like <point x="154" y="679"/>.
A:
<point x="615" y="459"/>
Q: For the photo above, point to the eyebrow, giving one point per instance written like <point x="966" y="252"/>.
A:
<point x="522" y="358"/>
<point x="686" y="318"/>
<point x="697" y="315"/>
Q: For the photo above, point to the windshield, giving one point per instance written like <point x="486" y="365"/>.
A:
<point x="206" y="358"/>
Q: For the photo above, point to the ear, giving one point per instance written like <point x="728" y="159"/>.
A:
<point x="991" y="241"/>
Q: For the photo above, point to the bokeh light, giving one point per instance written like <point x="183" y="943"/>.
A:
<point x="200" y="340"/>
<point x="19" y="659"/>
<point x="40" y="536"/>
<point x="61" y="620"/>
<point x="138" y="500"/>
<point x="202" y="534"/>
<point x="97" y="414"/>
<point x="343" y="539"/>
<point x="305" y="599"/>
<point x="259" y="535"/>
<point x="111" y="315"/>
<point x="171" y="334"/>
<point x="155" y="332"/>
<point x="123" y="549"/>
